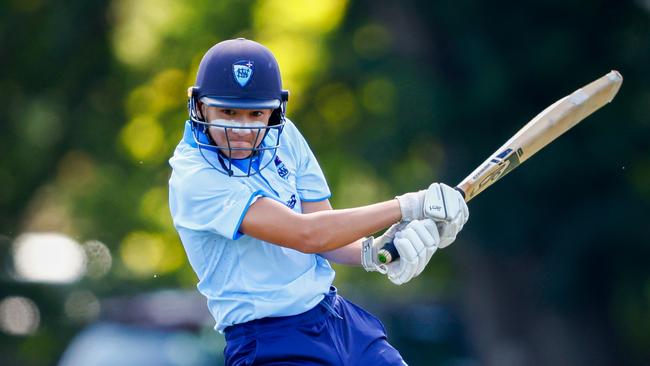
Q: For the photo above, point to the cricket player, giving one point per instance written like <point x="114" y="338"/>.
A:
<point x="251" y="206"/>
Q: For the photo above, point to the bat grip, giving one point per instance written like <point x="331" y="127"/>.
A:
<point x="388" y="253"/>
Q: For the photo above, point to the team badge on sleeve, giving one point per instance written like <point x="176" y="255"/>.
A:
<point x="242" y="71"/>
<point x="291" y="203"/>
<point x="282" y="169"/>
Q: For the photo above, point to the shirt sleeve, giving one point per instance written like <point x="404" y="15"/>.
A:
<point x="310" y="180"/>
<point x="204" y="202"/>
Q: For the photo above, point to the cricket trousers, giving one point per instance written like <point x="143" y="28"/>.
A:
<point x="334" y="332"/>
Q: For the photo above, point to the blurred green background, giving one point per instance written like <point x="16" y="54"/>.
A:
<point x="552" y="268"/>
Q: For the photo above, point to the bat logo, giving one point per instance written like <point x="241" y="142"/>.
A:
<point x="506" y="161"/>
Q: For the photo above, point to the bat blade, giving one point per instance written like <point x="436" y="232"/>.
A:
<point x="548" y="125"/>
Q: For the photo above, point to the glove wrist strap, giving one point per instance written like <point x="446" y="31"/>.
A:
<point x="366" y="254"/>
<point x="411" y="205"/>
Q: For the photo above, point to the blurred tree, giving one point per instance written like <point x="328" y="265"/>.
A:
<point x="551" y="267"/>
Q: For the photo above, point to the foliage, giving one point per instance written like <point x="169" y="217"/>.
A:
<point x="391" y="97"/>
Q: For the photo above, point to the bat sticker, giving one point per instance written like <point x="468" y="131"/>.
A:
<point x="508" y="161"/>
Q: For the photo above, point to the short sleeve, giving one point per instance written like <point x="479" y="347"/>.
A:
<point x="310" y="180"/>
<point x="200" y="202"/>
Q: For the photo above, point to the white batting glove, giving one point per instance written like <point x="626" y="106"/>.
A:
<point x="439" y="202"/>
<point x="453" y="215"/>
<point x="415" y="241"/>
<point x="371" y="247"/>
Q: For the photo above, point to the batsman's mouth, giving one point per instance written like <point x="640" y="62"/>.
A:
<point x="241" y="144"/>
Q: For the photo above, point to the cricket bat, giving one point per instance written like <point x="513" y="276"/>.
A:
<point x="552" y="122"/>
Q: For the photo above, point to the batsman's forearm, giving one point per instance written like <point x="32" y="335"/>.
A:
<point x="349" y="255"/>
<point x="332" y="229"/>
<point x="316" y="231"/>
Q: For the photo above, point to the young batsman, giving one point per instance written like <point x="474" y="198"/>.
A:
<point x="250" y="204"/>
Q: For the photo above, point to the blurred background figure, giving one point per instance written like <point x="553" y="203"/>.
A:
<point x="161" y="328"/>
<point x="93" y="105"/>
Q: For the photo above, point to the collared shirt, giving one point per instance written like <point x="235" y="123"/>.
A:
<point x="244" y="278"/>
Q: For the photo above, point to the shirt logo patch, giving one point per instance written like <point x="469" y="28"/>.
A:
<point x="282" y="169"/>
<point x="291" y="203"/>
<point x="242" y="71"/>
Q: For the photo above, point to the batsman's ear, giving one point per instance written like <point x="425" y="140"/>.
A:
<point x="199" y="109"/>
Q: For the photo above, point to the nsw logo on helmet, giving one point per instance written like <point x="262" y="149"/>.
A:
<point x="242" y="71"/>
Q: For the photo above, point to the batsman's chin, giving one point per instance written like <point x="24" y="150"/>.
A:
<point x="239" y="155"/>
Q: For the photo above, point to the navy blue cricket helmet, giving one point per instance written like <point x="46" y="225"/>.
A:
<point x="238" y="74"/>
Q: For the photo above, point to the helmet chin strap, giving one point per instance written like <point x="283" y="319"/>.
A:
<point x="223" y="164"/>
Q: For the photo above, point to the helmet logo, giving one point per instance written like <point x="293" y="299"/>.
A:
<point x="242" y="71"/>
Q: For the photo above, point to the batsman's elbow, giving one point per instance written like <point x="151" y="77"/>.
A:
<point x="308" y="238"/>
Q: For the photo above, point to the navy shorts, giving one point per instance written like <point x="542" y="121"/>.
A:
<point x="334" y="332"/>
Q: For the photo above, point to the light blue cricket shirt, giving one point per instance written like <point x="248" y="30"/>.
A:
<point x="244" y="278"/>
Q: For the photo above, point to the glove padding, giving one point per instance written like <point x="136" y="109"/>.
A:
<point x="453" y="215"/>
<point x="415" y="241"/>
<point x="440" y="202"/>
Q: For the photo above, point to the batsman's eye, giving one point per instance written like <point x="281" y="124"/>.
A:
<point x="229" y="112"/>
<point x="257" y="113"/>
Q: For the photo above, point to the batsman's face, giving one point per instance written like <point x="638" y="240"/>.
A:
<point x="243" y="133"/>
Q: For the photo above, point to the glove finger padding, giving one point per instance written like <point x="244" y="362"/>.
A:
<point x="428" y="231"/>
<point x="453" y="215"/>
<point x="402" y="270"/>
<point x="449" y="230"/>
<point x="412" y="233"/>
<point x="416" y="243"/>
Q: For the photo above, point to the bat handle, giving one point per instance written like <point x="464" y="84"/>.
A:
<point x="388" y="253"/>
<point x="462" y="193"/>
